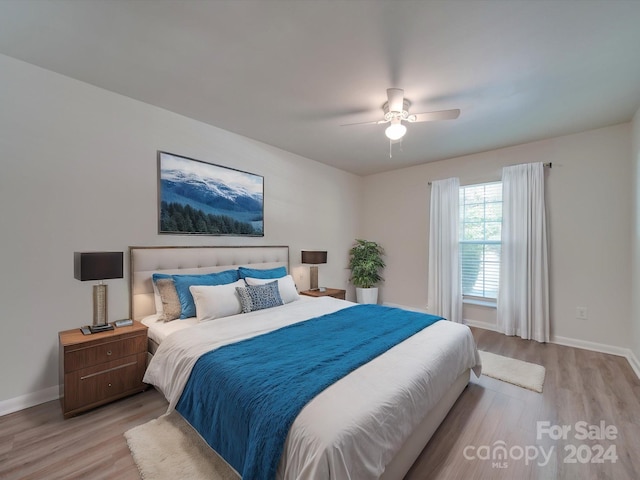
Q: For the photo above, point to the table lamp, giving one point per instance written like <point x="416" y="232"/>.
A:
<point x="98" y="266"/>
<point x="314" y="258"/>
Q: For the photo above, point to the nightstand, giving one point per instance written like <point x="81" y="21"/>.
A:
<point x="329" y="292"/>
<point x="100" y="368"/>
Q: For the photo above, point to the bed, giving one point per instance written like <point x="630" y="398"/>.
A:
<point x="373" y="423"/>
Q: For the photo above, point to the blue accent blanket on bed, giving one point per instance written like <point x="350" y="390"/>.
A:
<point x="242" y="398"/>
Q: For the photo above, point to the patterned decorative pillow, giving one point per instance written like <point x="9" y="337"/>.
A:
<point x="286" y="287"/>
<point x="259" y="297"/>
<point x="170" y="302"/>
<point x="245" y="299"/>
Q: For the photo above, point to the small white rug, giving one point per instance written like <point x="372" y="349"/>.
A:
<point x="523" y="374"/>
<point x="169" y="449"/>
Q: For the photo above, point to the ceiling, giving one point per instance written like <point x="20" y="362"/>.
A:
<point x="290" y="73"/>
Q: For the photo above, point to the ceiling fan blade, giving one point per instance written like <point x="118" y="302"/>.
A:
<point x="377" y="122"/>
<point x="396" y="99"/>
<point x="433" y="116"/>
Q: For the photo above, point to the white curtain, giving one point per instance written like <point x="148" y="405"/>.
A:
<point x="523" y="297"/>
<point x="444" y="289"/>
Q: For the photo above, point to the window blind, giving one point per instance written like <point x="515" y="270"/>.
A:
<point x="480" y="232"/>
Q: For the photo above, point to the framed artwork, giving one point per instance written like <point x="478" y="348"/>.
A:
<point x="200" y="198"/>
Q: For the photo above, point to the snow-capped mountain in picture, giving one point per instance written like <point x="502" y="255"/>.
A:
<point x="199" y="197"/>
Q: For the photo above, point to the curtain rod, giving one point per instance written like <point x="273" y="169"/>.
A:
<point x="550" y="164"/>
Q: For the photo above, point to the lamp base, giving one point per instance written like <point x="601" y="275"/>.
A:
<point x="99" y="304"/>
<point x="100" y="328"/>
<point x="313" y="277"/>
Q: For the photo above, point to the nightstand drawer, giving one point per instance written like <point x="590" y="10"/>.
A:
<point x="97" y="354"/>
<point x="104" y="382"/>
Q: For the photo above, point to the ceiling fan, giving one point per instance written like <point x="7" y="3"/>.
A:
<point x="396" y="111"/>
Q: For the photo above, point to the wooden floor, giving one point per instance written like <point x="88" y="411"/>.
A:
<point x="37" y="443"/>
<point x="579" y="386"/>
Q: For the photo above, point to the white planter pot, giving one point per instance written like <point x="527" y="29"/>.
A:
<point x="367" y="295"/>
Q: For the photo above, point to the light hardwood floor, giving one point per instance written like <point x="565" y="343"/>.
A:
<point x="580" y="385"/>
<point x="37" y="443"/>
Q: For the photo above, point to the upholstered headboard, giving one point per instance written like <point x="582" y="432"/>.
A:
<point x="145" y="261"/>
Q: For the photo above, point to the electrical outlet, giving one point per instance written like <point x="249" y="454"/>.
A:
<point x="581" y="313"/>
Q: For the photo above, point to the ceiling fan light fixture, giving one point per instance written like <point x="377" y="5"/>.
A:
<point x="396" y="130"/>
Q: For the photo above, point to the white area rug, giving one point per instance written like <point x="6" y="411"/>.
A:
<point x="169" y="449"/>
<point x="523" y="374"/>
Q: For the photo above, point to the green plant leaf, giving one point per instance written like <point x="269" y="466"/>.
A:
<point x="365" y="263"/>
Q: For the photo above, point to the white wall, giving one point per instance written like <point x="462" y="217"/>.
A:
<point x="589" y="198"/>
<point x="635" y="238"/>
<point x="78" y="173"/>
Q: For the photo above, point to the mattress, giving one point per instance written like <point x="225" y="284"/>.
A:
<point x="355" y="427"/>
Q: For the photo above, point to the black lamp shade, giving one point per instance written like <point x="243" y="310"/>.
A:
<point x="314" y="257"/>
<point x="97" y="265"/>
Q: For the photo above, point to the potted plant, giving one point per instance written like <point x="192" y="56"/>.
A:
<point x="365" y="263"/>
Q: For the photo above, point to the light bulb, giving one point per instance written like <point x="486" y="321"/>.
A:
<point x="396" y="130"/>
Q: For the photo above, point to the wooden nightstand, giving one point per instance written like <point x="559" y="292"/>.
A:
<point x="329" y="292"/>
<point x="99" y="368"/>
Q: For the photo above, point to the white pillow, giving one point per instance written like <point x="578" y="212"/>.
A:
<point x="216" y="301"/>
<point x="286" y="287"/>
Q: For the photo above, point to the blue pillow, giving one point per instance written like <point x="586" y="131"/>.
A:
<point x="183" y="282"/>
<point x="277" y="272"/>
<point x="156" y="276"/>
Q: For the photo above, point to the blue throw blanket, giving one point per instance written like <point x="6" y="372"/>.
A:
<point x="242" y="398"/>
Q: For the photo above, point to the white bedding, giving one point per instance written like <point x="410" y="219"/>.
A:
<point x="158" y="330"/>
<point x="355" y="427"/>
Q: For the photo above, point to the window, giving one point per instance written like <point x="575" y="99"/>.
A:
<point x="480" y="230"/>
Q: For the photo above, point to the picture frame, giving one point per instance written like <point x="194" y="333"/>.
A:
<point x="200" y="198"/>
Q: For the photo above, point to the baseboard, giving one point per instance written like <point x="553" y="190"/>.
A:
<point x="29" y="400"/>
<point x="404" y="307"/>
<point x="633" y="361"/>
<point x="593" y="346"/>
<point x="484" y="325"/>
<point x="602" y="348"/>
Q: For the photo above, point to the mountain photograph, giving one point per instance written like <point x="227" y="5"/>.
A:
<point x="197" y="197"/>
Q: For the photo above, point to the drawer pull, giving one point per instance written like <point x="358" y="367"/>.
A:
<point x="109" y="352"/>
<point x="109" y="370"/>
<point x="109" y="385"/>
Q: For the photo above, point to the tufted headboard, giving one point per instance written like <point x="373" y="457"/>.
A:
<point x="145" y="261"/>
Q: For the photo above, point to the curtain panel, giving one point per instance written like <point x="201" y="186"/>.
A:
<point x="523" y="296"/>
<point x="444" y="287"/>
